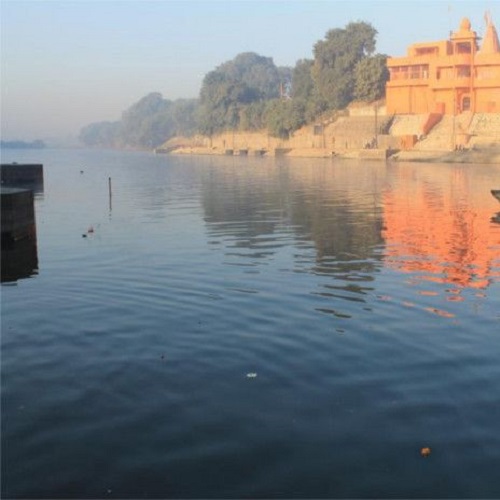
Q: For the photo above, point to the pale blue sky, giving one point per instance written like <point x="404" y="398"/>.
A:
<point x="65" y="64"/>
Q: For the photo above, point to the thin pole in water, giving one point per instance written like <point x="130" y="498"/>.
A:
<point x="110" y="193"/>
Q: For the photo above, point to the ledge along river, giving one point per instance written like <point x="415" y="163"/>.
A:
<point x="254" y="327"/>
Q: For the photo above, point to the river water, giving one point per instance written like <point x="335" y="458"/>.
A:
<point x="251" y="327"/>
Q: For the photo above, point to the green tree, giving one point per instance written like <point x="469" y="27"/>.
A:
<point x="231" y="87"/>
<point x="371" y="75"/>
<point x="100" y="134"/>
<point x="253" y="116"/>
<point x="335" y="60"/>
<point x="138" y="121"/>
<point x="146" y="124"/>
<point x="284" y="116"/>
<point x="184" y="115"/>
<point x="302" y="80"/>
<point x="258" y="73"/>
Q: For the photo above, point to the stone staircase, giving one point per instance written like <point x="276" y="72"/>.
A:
<point x="440" y="138"/>
<point x="484" y="130"/>
<point x="354" y="132"/>
<point x="468" y="130"/>
<point x="407" y="125"/>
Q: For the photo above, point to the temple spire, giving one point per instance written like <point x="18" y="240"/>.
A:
<point x="490" y="44"/>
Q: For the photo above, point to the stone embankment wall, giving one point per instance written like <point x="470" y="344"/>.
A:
<point x="359" y="127"/>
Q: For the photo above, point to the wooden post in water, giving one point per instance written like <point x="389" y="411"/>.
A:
<point x="110" y="193"/>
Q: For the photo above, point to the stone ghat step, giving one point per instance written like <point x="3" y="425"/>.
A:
<point x="485" y="124"/>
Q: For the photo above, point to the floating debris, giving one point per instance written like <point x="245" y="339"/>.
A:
<point x="251" y="375"/>
<point x="425" y="452"/>
<point x="440" y="312"/>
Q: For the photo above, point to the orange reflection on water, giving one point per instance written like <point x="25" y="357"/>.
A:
<point x="437" y="223"/>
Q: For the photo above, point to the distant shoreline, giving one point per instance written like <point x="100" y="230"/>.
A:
<point x="38" y="144"/>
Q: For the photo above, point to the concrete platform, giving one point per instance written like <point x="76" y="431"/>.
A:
<point x="18" y="215"/>
<point x="20" y="174"/>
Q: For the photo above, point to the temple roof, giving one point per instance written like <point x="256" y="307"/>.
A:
<point x="490" y="43"/>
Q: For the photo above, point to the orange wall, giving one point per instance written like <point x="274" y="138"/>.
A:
<point x="446" y="79"/>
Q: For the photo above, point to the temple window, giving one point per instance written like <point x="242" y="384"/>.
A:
<point x="463" y="48"/>
<point x="419" y="71"/>
<point x="424" y="51"/>
<point x="463" y="71"/>
<point x="399" y="73"/>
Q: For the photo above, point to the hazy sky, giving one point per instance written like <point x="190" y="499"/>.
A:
<point x="65" y="64"/>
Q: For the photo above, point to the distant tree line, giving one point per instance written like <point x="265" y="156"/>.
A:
<point x="146" y="124"/>
<point x="38" y="144"/>
<point x="251" y="93"/>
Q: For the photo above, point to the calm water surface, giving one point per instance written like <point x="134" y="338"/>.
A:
<point x="251" y="327"/>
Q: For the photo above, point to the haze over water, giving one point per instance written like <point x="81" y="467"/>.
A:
<point x="252" y="327"/>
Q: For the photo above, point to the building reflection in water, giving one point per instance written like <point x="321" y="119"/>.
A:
<point x="19" y="260"/>
<point x="315" y="217"/>
<point x="439" y="225"/>
<point x="309" y="202"/>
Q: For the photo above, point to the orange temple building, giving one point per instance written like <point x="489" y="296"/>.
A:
<point x="448" y="76"/>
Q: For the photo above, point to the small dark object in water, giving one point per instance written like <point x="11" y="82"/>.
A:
<point x="425" y="452"/>
<point x="84" y="235"/>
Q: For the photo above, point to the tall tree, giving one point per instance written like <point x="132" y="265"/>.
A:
<point x="302" y="80"/>
<point x="335" y="59"/>
<point x="146" y="124"/>
<point x="371" y="75"/>
<point x="256" y="72"/>
<point x="284" y="116"/>
<point x="227" y="90"/>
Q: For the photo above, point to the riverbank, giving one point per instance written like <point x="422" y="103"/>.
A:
<point x="486" y="155"/>
<point x="354" y="134"/>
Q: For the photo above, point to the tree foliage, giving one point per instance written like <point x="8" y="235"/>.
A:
<point x="250" y="93"/>
<point x="146" y="124"/>
<point x="335" y="59"/>
<point x="100" y="134"/>
<point x="284" y="116"/>
<point x="371" y="75"/>
<point x="302" y="81"/>
<point x="235" y="84"/>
